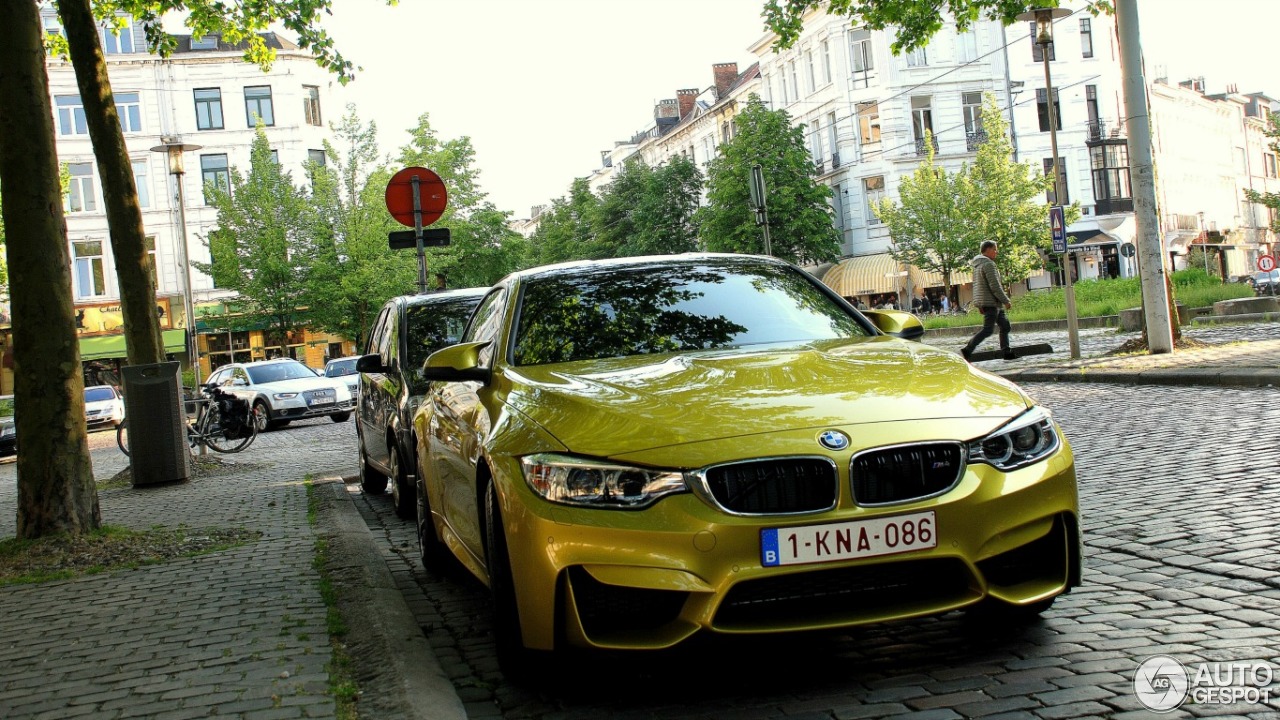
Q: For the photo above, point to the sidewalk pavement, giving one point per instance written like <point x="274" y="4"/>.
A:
<point x="243" y="632"/>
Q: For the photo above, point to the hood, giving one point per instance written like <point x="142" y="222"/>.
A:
<point x="103" y="405"/>
<point x="626" y="405"/>
<point x="979" y="261"/>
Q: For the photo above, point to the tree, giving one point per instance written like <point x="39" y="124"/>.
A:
<point x="567" y="231"/>
<point x="651" y="211"/>
<point x="801" y="224"/>
<point x="262" y="247"/>
<point x="926" y="223"/>
<point x="914" y="20"/>
<point x="1269" y="199"/>
<point x="55" y="477"/>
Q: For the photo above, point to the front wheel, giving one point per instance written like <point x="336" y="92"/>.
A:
<point x="402" y="493"/>
<point x="372" y="482"/>
<point x="261" y="416"/>
<point x="340" y="417"/>
<point x="513" y="657"/>
<point x="435" y="554"/>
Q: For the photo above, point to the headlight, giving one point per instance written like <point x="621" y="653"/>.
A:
<point x="589" y="483"/>
<point x="285" y="396"/>
<point x="1027" y="439"/>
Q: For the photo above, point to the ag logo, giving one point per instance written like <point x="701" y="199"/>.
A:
<point x="1161" y="683"/>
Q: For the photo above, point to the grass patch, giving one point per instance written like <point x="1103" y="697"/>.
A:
<point x="1095" y="298"/>
<point x="342" y="683"/>
<point x="62" y="556"/>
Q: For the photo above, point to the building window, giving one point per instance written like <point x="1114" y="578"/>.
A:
<point x="783" y="77"/>
<point x="205" y="42"/>
<point x="1269" y="164"/>
<point x="861" y="57"/>
<point x="257" y="104"/>
<point x="209" y="109"/>
<point x="317" y="157"/>
<point x="87" y="259"/>
<point x="873" y="188"/>
<point x="812" y="71"/>
<point x="833" y="138"/>
<point x="149" y="246"/>
<point x="815" y="145"/>
<point x="1110" y="166"/>
<point x="1050" y="196"/>
<point x="71" y="116"/>
<point x="82" y="196"/>
<point x="922" y="121"/>
<point x="51" y="25"/>
<point x="113" y="44"/>
<point x="311" y="105"/>
<point x="971" y="105"/>
<point x="1037" y="53"/>
<point x="869" y="122"/>
<point x="795" y="80"/>
<point x="143" y="185"/>
<point x="1086" y="37"/>
<point x="967" y="46"/>
<point x="1091" y="105"/>
<point x="1042" y="109"/>
<point x="214" y="173"/>
<point x="129" y="108"/>
<point x="917" y="58"/>
<point x="826" y="62"/>
<point x="724" y="132"/>
<point x="837" y="205"/>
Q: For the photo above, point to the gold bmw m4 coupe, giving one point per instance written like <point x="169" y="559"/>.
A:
<point x="629" y="452"/>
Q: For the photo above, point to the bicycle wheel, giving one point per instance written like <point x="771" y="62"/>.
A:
<point x="122" y="437"/>
<point x="212" y="434"/>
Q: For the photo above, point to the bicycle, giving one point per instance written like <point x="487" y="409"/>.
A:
<point x="207" y="427"/>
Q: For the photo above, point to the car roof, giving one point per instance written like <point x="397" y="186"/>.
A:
<point x="348" y="357"/>
<point x="94" y="387"/>
<point x="579" y="266"/>
<point x="431" y="298"/>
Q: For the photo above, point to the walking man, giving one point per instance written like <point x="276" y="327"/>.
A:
<point x="990" y="297"/>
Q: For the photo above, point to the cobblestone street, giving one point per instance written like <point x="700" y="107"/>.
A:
<point x="1178" y="503"/>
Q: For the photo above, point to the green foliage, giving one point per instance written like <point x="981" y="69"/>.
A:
<point x="651" y="211"/>
<point x="240" y="23"/>
<point x="1269" y="199"/>
<point x="567" y="231"/>
<point x="262" y="246"/>
<point x="915" y="21"/>
<point x="801" y="224"/>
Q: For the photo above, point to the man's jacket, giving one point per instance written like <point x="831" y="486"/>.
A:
<point x="988" y="291"/>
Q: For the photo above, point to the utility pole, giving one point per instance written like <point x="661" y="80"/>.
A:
<point x="1151" y="261"/>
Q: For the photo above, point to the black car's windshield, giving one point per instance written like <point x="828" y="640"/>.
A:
<point x="6" y="407"/>
<point x="276" y="372"/>
<point x="338" y="368"/>
<point x="433" y="326"/>
<point x="667" y="307"/>
<point x="98" y="394"/>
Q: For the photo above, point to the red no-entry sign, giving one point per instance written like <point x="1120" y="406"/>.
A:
<point x="1266" y="263"/>
<point x="432" y="196"/>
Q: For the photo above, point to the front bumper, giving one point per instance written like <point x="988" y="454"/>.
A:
<point x="650" y="579"/>
<point x="300" y="411"/>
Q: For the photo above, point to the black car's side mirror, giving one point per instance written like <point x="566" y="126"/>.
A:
<point x="371" y="363"/>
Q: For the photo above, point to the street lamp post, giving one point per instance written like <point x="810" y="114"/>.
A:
<point x="1043" y="18"/>
<point x="173" y="148"/>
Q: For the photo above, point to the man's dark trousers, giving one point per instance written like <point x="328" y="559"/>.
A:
<point x="991" y="317"/>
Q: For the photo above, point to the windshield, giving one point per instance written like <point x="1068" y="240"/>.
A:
<point x="276" y="372"/>
<point x="6" y="407"/>
<point x="1273" y="276"/>
<point x="667" y="307"/>
<point x="99" y="394"/>
<point x="436" y="325"/>
<point x="338" y="368"/>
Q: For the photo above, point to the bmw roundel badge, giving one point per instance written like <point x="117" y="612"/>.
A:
<point x="833" y="440"/>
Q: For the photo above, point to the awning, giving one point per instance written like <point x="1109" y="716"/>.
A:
<point x="929" y="279"/>
<point x="112" y="346"/>
<point x="865" y="275"/>
<point x="1084" y="239"/>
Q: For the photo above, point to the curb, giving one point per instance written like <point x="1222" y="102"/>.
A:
<point x="402" y="676"/>
<point x="1185" y="377"/>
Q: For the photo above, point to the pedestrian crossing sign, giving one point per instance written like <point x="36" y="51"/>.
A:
<point x="1059" y="229"/>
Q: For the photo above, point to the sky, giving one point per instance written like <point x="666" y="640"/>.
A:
<point x="543" y="86"/>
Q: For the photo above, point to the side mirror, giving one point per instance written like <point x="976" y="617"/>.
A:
<point x="457" y="363"/>
<point x="371" y="363"/>
<point x="897" y="323"/>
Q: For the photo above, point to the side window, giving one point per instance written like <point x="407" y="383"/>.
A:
<point x="371" y="345"/>
<point x="387" y="338"/>
<point x="216" y="378"/>
<point x="240" y="377"/>
<point x="486" y="323"/>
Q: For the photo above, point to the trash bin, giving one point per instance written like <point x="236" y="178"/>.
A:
<point x="157" y="424"/>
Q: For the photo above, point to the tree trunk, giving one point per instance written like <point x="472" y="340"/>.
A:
<point x="142" y="337"/>
<point x="55" y="478"/>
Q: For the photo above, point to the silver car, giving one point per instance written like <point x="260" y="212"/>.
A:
<point x="283" y="390"/>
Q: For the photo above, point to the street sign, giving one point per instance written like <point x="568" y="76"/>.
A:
<point x="1127" y="250"/>
<point x="1266" y="263"/>
<point x="758" y="196"/>
<point x="1059" y="228"/>
<point x="432" y="196"/>
<point x="405" y="239"/>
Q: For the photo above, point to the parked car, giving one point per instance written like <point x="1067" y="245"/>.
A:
<point x="631" y="451"/>
<point x="283" y="390"/>
<point x="345" y="369"/>
<point x="407" y="330"/>
<point x="8" y="427"/>
<point x="103" y="407"/>
<point x="1266" y="283"/>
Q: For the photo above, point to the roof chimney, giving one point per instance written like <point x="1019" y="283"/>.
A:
<point x="666" y="109"/>
<point x="685" y="98"/>
<point x="725" y="74"/>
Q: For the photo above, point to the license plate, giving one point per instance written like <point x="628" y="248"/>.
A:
<point x="847" y="540"/>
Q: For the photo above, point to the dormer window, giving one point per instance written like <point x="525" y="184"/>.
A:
<point x="208" y="42"/>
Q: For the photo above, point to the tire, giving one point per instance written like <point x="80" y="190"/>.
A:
<point x="340" y="417"/>
<point x="372" y="482"/>
<point x="262" y="417"/>
<point x="435" y="555"/>
<point x="218" y="441"/>
<point x="402" y="493"/>
<point x="122" y="437"/>
<point x="513" y="658"/>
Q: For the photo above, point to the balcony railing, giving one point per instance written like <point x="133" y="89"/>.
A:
<point x="1099" y="130"/>
<point x="921" y="148"/>
<point x="973" y="139"/>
